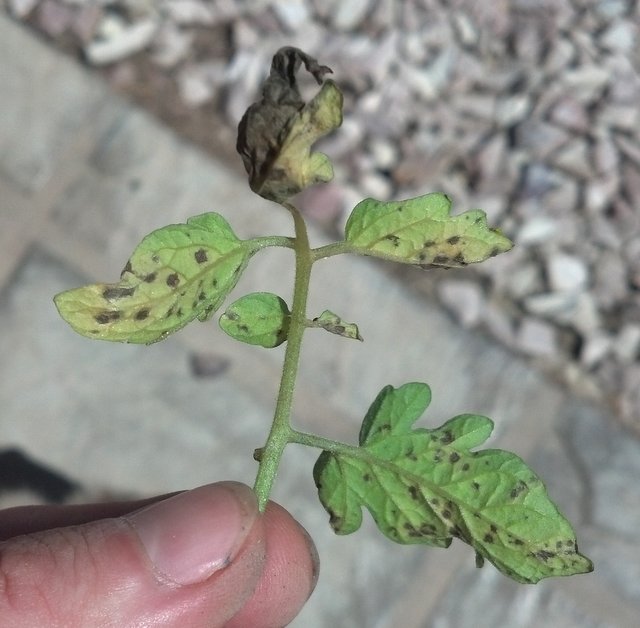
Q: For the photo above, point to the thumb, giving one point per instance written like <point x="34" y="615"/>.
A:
<point x="193" y="559"/>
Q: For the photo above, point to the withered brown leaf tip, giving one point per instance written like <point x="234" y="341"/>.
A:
<point x="276" y="133"/>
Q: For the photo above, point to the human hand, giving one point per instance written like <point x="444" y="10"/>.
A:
<point x="203" y="558"/>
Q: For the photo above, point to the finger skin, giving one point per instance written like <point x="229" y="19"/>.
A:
<point x="98" y="574"/>
<point x="289" y="577"/>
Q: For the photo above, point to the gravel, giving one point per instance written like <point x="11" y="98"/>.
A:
<point x="526" y="109"/>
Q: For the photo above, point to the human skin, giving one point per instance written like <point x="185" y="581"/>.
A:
<point x="202" y="558"/>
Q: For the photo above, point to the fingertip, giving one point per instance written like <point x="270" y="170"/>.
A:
<point x="289" y="576"/>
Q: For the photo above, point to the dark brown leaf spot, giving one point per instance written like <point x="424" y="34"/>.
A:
<point x="465" y="466"/>
<point x="142" y="314"/>
<point x="453" y="239"/>
<point x="429" y="243"/>
<point x="150" y="278"/>
<point x="441" y="259"/>
<point x="108" y="316"/>
<point x="454" y="457"/>
<point x="200" y="256"/>
<point x="488" y="538"/>
<point x="173" y="280"/>
<point x="117" y="292"/>
<point x="447" y="437"/>
<point x="517" y="489"/>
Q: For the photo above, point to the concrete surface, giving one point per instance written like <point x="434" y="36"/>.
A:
<point x="83" y="176"/>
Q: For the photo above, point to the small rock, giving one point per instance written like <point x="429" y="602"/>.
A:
<point x="524" y="280"/>
<point x="540" y="138"/>
<point x="536" y="231"/>
<point x="171" y="45"/>
<point x="121" y="41"/>
<point x="511" y="110"/>
<point x="595" y="349"/>
<point x="22" y="8"/>
<point x="194" y="85"/>
<point x="628" y="146"/>
<point x="464" y="299"/>
<point x="292" y="13"/>
<point x="625" y="118"/>
<point x="384" y="153"/>
<point x="347" y="14"/>
<point x="54" y="18"/>
<point x="586" y="316"/>
<point x="376" y="186"/>
<point x="564" y="196"/>
<point x="188" y="12"/>
<point x="619" y="37"/>
<point x="567" y="273"/>
<point x="627" y="344"/>
<point x="558" y="306"/>
<point x="598" y="193"/>
<point x="570" y="114"/>
<point x="536" y="338"/>
<point x="605" y="155"/>
<point x="498" y="323"/>
<point x="587" y="82"/>
<point x="429" y="82"/>
<point x="574" y="159"/>
<point x="561" y="56"/>
<point x="466" y="31"/>
<point x="208" y="364"/>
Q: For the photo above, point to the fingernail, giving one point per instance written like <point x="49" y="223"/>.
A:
<point x="190" y="536"/>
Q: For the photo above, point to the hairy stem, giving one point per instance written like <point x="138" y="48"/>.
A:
<point x="281" y="431"/>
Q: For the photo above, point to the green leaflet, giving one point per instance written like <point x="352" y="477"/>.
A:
<point x="334" y="324"/>
<point x="421" y="231"/>
<point x="426" y="486"/>
<point x="259" y="318"/>
<point x="176" y="274"/>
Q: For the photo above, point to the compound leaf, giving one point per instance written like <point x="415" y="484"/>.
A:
<point x="259" y="318"/>
<point x="426" y="486"/>
<point x="176" y="274"/>
<point x="421" y="231"/>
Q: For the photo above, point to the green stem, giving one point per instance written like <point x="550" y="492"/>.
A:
<point x="281" y="431"/>
<point x="329" y="250"/>
<point x="265" y="241"/>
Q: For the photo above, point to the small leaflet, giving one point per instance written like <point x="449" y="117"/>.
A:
<point x="276" y="133"/>
<point x="334" y="324"/>
<point x="426" y="486"/>
<point x="175" y="275"/>
<point x="421" y="231"/>
<point x="259" y="318"/>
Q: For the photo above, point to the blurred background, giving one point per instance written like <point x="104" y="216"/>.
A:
<point x="117" y="117"/>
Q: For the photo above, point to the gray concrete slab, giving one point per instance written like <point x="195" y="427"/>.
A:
<point x="83" y="176"/>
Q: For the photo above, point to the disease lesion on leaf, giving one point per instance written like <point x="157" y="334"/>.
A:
<point x="276" y="133"/>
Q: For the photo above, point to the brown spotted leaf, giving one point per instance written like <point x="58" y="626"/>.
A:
<point x="276" y="133"/>
<point x="176" y="274"/>
<point x="421" y="231"/>
<point x="427" y="486"/>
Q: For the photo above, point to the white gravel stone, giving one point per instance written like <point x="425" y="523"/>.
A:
<point x="524" y="280"/>
<point x="536" y="231"/>
<point x="347" y="14"/>
<point x="553" y="305"/>
<point x="536" y="338"/>
<point x="595" y="349"/>
<point x="574" y="159"/>
<point x="384" y="153"/>
<point x="189" y="12"/>
<point x="571" y="114"/>
<point x="464" y="299"/>
<point x="620" y="36"/>
<point x="567" y="273"/>
<point x="120" y="42"/>
<point x="376" y="186"/>
<point x="627" y="343"/>
<point x="513" y="109"/>
<point x="293" y="13"/>
<point x="22" y="8"/>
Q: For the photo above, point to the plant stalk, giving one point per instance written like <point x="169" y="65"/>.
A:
<point x="281" y="431"/>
